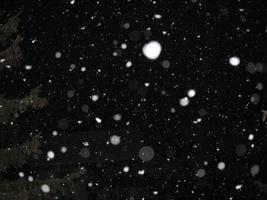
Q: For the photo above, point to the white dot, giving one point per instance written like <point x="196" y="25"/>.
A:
<point x="28" y="67"/>
<point x="157" y="16"/>
<point x="141" y="172"/>
<point x="117" y="117"/>
<point x="21" y="174"/>
<point x="72" y="2"/>
<point x="238" y="187"/>
<point x="63" y="149"/>
<point x="201" y="173"/>
<point x="184" y="101"/>
<point x="115" y="139"/>
<point x="221" y="165"/>
<point x="126" y="169"/>
<point x="50" y="155"/>
<point x="251" y="137"/>
<point x="86" y="143"/>
<point x="58" y="55"/>
<point x="54" y="133"/>
<point x="123" y="46"/>
<point x="45" y="188"/>
<point x="129" y="64"/>
<point x="83" y="69"/>
<point x="191" y="93"/>
<point x="234" y="61"/>
<point x="98" y="120"/>
<point x="30" y="178"/>
<point x="126" y="25"/>
<point x="95" y="97"/>
<point x="152" y="50"/>
<point x="255" y="169"/>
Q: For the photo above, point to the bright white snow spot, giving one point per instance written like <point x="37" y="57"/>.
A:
<point x="221" y="165"/>
<point x="21" y="174"/>
<point x="98" y="120"/>
<point x="234" y="61"/>
<point x="128" y="64"/>
<point x="238" y="187"/>
<point x="95" y="97"/>
<point x="123" y="46"/>
<point x="50" y="155"/>
<point x="157" y="16"/>
<point x="58" y="55"/>
<point x="126" y="169"/>
<point x="251" y="137"/>
<point x="117" y="117"/>
<point x="152" y="50"/>
<point x="28" y="67"/>
<point x="184" y="101"/>
<point x="30" y="178"/>
<point x="115" y="139"/>
<point x="191" y="93"/>
<point x="45" y="188"/>
<point x="54" y="133"/>
<point x="147" y="84"/>
<point x="63" y="149"/>
<point x="141" y="172"/>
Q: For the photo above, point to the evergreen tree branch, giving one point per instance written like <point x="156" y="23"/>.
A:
<point x="12" y="55"/>
<point x="10" y="108"/>
<point x="16" y="156"/>
<point x="26" y="190"/>
<point x="8" y="29"/>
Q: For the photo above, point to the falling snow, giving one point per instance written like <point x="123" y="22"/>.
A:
<point x="234" y="61"/>
<point x="152" y="50"/>
<point x="152" y="99"/>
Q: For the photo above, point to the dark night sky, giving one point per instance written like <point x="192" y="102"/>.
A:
<point x="197" y="38"/>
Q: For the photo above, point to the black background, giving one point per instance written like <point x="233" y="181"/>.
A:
<point x="226" y="29"/>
